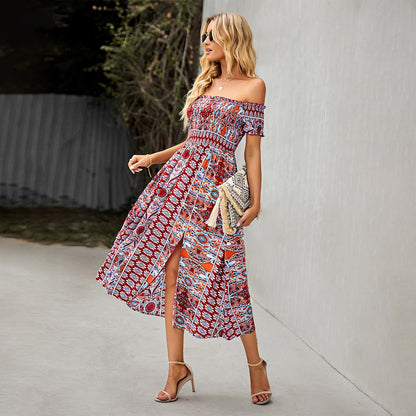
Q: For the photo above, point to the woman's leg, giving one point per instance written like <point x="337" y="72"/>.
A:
<point x="258" y="374"/>
<point x="174" y="336"/>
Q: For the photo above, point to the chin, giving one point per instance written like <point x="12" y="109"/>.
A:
<point x="212" y="58"/>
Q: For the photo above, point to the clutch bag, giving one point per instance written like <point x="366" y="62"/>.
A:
<point x="233" y="200"/>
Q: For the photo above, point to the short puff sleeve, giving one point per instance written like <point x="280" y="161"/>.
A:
<point x="253" y="118"/>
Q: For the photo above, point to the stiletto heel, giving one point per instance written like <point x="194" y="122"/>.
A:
<point x="180" y="383"/>
<point x="261" y="392"/>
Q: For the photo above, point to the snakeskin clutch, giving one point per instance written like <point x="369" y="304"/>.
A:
<point x="233" y="200"/>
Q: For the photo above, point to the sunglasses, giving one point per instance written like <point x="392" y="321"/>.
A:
<point x="205" y="36"/>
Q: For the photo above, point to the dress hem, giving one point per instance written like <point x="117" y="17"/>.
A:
<point x="175" y="325"/>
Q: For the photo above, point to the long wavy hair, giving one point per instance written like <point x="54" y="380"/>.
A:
<point x="232" y="32"/>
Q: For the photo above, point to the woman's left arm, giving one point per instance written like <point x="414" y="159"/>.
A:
<point x="252" y="157"/>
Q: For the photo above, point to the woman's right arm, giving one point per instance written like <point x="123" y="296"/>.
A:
<point x="165" y="155"/>
<point x="155" y="158"/>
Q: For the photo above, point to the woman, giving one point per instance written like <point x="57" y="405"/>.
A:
<point x="166" y="261"/>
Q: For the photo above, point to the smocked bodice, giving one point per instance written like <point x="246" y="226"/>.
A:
<point x="222" y="122"/>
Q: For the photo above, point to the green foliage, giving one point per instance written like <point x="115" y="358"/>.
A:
<point x="151" y="63"/>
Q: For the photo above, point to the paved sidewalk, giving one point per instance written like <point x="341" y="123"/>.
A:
<point x="69" y="349"/>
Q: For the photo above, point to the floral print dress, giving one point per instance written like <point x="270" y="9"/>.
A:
<point x="212" y="298"/>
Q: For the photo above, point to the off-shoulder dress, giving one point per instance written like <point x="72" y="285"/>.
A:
<point x="212" y="297"/>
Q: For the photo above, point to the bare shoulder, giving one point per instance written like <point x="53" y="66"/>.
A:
<point x="256" y="91"/>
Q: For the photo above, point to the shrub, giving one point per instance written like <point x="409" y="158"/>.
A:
<point x="151" y="64"/>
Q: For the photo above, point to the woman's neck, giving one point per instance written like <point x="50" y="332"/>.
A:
<point x="235" y="72"/>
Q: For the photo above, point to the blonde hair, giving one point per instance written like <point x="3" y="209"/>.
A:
<point x="232" y="32"/>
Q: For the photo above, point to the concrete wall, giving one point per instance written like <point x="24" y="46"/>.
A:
<point x="333" y="255"/>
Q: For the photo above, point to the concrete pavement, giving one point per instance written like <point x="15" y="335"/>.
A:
<point x="68" y="348"/>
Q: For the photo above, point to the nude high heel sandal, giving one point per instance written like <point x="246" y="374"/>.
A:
<point x="261" y="392"/>
<point x="179" y="385"/>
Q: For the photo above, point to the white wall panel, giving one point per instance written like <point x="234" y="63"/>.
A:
<point x="333" y="255"/>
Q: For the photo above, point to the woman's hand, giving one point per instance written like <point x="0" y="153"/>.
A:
<point x="139" y="160"/>
<point x="248" y="216"/>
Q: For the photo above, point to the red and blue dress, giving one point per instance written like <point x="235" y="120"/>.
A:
<point x="212" y="298"/>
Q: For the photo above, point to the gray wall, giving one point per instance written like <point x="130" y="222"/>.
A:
<point x="333" y="255"/>
<point x="62" y="150"/>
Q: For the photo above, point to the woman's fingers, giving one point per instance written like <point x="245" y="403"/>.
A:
<point x="131" y="161"/>
<point x="247" y="217"/>
<point x="244" y="220"/>
<point x="135" y="169"/>
<point x="134" y="163"/>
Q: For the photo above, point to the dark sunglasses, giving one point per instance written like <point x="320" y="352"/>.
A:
<point x="205" y="36"/>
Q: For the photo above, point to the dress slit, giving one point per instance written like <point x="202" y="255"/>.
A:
<point x="211" y="294"/>
<point x="176" y="279"/>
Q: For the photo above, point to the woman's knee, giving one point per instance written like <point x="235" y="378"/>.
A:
<point x="171" y="274"/>
<point x="172" y="266"/>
